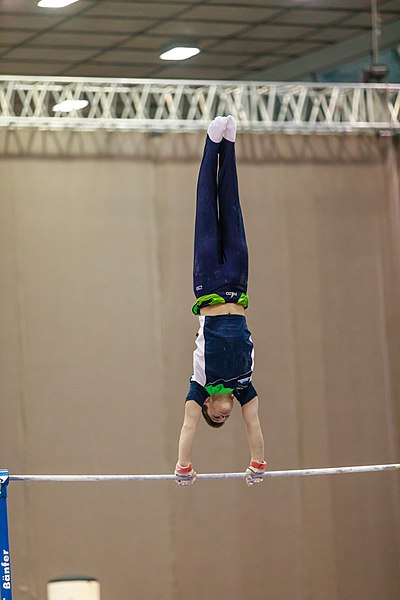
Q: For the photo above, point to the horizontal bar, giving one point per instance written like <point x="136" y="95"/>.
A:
<point x="290" y="473"/>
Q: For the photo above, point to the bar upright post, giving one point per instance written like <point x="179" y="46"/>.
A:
<point x="5" y="564"/>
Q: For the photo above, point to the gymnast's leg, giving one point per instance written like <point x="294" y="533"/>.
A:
<point x="232" y="232"/>
<point x="207" y="238"/>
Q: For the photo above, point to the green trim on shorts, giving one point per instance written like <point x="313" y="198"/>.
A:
<point x="212" y="299"/>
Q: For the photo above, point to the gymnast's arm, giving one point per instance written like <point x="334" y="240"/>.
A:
<point x="189" y="427"/>
<point x="256" y="469"/>
<point x="253" y="430"/>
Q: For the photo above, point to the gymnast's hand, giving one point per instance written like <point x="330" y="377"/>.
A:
<point x="185" y="475"/>
<point x="255" y="472"/>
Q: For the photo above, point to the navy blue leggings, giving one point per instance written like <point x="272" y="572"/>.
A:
<point x="220" y="249"/>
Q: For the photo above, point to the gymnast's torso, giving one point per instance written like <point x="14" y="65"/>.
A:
<point x="222" y="309"/>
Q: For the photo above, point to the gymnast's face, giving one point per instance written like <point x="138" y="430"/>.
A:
<point x="219" y="407"/>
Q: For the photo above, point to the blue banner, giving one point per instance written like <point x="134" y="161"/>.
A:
<point x="5" y="564"/>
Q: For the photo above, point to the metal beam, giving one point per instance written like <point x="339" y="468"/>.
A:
<point x="162" y="105"/>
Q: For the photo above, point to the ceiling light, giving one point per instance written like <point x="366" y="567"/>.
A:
<point x="179" y="53"/>
<point x="55" y="3"/>
<point x="70" y="105"/>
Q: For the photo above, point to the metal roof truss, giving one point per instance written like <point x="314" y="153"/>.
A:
<point x="161" y="105"/>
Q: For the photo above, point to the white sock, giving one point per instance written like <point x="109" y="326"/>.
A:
<point x="216" y="129"/>
<point x="230" y="131"/>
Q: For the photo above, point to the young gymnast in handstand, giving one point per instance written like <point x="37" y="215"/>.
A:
<point x="224" y="356"/>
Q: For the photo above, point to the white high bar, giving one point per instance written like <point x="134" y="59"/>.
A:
<point x="290" y="473"/>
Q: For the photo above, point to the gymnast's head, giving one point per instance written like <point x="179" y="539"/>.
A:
<point x="217" y="409"/>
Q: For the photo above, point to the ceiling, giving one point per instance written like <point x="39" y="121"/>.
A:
<point x="238" y="39"/>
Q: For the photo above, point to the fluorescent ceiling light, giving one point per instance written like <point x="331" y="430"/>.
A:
<point x="70" y="105"/>
<point x="179" y="53"/>
<point x="55" y="3"/>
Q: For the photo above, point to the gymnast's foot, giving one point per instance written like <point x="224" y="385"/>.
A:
<point x="216" y="129"/>
<point x="230" y="131"/>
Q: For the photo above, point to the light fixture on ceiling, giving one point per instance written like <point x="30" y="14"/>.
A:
<point x="55" y="3"/>
<point x="70" y="105"/>
<point x="179" y="53"/>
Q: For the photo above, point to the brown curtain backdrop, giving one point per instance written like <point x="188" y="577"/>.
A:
<point x="96" y="236"/>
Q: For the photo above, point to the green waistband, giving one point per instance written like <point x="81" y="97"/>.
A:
<point x="212" y="299"/>
<point x="218" y="389"/>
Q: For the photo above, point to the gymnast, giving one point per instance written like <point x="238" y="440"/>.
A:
<point x="224" y="356"/>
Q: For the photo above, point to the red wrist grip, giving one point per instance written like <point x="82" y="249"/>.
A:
<point x="258" y="465"/>
<point x="183" y="470"/>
